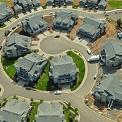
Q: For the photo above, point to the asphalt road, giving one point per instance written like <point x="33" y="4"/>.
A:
<point x="76" y="98"/>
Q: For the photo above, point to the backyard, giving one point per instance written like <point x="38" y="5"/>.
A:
<point x="70" y="112"/>
<point x="81" y="66"/>
<point x="43" y="83"/>
<point x="8" y="65"/>
<point x="114" y="4"/>
<point x="31" y="117"/>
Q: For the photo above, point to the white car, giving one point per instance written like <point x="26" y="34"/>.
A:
<point x="89" y="51"/>
<point x="57" y="92"/>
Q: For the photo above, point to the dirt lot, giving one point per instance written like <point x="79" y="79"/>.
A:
<point x="49" y="20"/>
<point x="43" y="2"/>
<point x="72" y="34"/>
<point x="97" y="45"/>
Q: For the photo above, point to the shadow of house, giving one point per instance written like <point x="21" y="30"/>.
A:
<point x="16" y="45"/>
<point x="30" y="67"/>
<point x="109" y="91"/>
<point x="91" y="28"/>
<point x="34" y="25"/>
<point x="5" y="13"/>
<point x="64" y="21"/>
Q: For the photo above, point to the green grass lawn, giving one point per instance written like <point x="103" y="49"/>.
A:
<point x="8" y="65"/>
<point x="81" y="66"/>
<point x="2" y="26"/>
<point x="42" y="83"/>
<point x="114" y="4"/>
<point x="68" y="114"/>
<point x="33" y="111"/>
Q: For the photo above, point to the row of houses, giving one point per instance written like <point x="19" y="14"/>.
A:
<point x="109" y="91"/>
<point x="17" y="111"/>
<point x="92" y="4"/>
<point x="64" y="21"/>
<point x="25" y="5"/>
<point x="30" y="67"/>
<point x="20" y="6"/>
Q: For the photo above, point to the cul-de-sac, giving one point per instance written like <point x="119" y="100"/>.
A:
<point x="60" y="60"/>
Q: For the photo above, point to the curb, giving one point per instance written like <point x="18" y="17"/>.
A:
<point x="2" y="90"/>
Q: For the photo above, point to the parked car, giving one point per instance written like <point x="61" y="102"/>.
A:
<point x="119" y="35"/>
<point x="7" y="32"/>
<point x="94" y="58"/>
<point x="57" y="92"/>
<point x="89" y="51"/>
<point x="95" y="76"/>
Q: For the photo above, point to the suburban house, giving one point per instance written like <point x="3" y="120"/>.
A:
<point x="82" y="3"/>
<point x="64" y="21"/>
<point x="69" y="2"/>
<point x="36" y="3"/>
<point x="16" y="45"/>
<point x="50" y="2"/>
<point x="5" y="13"/>
<point x="102" y="4"/>
<point x="26" y="5"/>
<point x="50" y="112"/>
<point x="15" y="111"/>
<point x="58" y="2"/>
<point x="91" y="28"/>
<point x="30" y="67"/>
<point x="63" y="70"/>
<point x="34" y="25"/>
<point x="111" y="54"/>
<point x="93" y="4"/>
<point x="109" y="91"/>
<point x="18" y="9"/>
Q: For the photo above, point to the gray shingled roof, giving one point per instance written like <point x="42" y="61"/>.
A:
<point x="31" y="63"/>
<point x="17" y="40"/>
<point x="14" y="110"/>
<point x="5" y="11"/>
<point x="112" y="49"/>
<point x="112" y="85"/>
<point x="50" y="112"/>
<point x="34" y="24"/>
<point x="90" y="25"/>
<point x="62" y="65"/>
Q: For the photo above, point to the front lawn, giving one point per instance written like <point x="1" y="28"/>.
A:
<point x="33" y="112"/>
<point x="8" y="65"/>
<point x="42" y="83"/>
<point x="80" y="65"/>
<point x="114" y="4"/>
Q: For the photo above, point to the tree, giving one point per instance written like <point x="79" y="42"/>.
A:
<point x="119" y="22"/>
<point x="69" y="104"/>
<point x="10" y="3"/>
